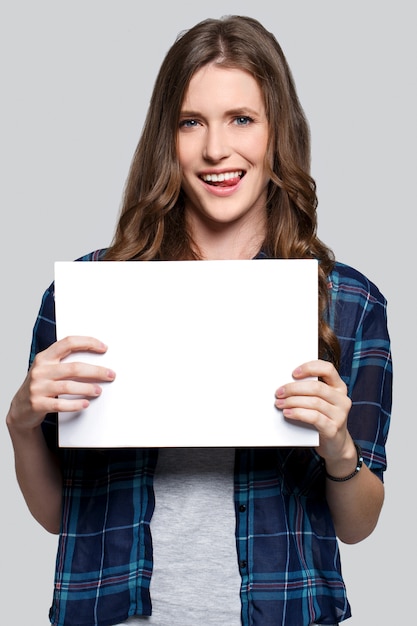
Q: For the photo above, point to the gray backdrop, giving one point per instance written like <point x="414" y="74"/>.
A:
<point x="76" y="81"/>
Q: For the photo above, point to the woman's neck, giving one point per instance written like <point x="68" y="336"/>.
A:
<point x="227" y="242"/>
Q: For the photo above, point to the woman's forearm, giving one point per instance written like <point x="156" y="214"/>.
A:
<point x="356" y="503"/>
<point x="37" y="473"/>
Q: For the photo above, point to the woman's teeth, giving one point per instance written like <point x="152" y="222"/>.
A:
<point x="221" y="178"/>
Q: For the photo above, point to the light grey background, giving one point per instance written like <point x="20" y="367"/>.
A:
<point x="76" y="79"/>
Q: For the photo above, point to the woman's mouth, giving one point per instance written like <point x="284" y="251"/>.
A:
<point x="223" y="179"/>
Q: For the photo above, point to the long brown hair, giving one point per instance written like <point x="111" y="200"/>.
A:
<point x="151" y="224"/>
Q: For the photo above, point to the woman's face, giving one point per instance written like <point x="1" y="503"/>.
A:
<point x="221" y="144"/>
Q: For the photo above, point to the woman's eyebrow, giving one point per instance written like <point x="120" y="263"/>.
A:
<point x="243" y="110"/>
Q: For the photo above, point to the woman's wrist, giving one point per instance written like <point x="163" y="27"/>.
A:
<point x="345" y="467"/>
<point x="18" y="425"/>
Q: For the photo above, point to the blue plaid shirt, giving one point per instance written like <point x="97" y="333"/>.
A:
<point x="286" y="546"/>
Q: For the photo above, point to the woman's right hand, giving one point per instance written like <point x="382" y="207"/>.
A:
<point x="50" y="377"/>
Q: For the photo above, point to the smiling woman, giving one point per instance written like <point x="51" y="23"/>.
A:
<point x="222" y="151"/>
<point x="248" y="536"/>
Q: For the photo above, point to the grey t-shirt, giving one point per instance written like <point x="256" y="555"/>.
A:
<point x="196" y="577"/>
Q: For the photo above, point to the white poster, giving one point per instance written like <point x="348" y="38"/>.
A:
<point x="199" y="349"/>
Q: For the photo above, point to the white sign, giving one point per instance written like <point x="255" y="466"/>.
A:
<point x="199" y="349"/>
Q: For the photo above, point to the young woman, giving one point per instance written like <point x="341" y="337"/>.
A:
<point x="216" y="536"/>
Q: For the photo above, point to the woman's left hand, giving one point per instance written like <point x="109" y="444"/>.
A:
<point x="318" y="396"/>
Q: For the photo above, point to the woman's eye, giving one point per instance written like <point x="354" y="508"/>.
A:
<point x="188" y="123"/>
<point x="243" y="120"/>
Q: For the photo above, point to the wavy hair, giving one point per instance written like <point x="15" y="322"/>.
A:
<point x="151" y="223"/>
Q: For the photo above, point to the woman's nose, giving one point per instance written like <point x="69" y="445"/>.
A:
<point x="216" y="145"/>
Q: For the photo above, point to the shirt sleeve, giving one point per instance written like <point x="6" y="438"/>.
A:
<point x="370" y="379"/>
<point x="44" y="334"/>
<point x="44" y="331"/>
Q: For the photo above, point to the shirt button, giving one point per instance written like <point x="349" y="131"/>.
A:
<point x="242" y="508"/>
<point x="243" y="564"/>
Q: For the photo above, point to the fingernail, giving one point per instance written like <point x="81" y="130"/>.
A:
<point x="111" y="375"/>
<point x="280" y="392"/>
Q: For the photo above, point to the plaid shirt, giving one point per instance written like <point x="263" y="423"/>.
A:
<point x="286" y="546"/>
